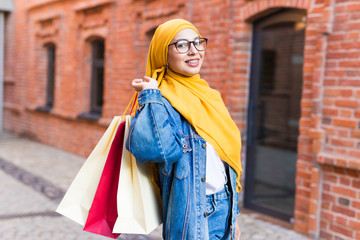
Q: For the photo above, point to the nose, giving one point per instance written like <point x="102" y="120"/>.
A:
<point x="192" y="49"/>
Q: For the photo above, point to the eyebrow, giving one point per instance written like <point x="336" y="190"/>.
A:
<point x="183" y="39"/>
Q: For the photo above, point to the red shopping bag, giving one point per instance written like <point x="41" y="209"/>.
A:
<point x="103" y="212"/>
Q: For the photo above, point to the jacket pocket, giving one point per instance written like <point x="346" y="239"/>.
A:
<point x="182" y="168"/>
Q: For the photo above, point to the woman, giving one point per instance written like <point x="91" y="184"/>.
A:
<point x="183" y="126"/>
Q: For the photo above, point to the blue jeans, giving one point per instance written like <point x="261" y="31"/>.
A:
<point x="218" y="214"/>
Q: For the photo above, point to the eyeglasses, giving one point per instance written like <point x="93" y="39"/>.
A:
<point x="183" y="45"/>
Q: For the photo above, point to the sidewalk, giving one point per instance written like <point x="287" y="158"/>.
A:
<point x="33" y="179"/>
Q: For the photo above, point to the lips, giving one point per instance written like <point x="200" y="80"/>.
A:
<point x="192" y="62"/>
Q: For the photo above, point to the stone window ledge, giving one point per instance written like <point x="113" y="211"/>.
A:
<point x="44" y="109"/>
<point x="339" y="161"/>
<point x="89" y="116"/>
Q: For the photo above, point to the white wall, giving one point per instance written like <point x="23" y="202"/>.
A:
<point x="5" y="5"/>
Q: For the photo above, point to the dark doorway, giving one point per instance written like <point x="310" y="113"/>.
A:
<point x="274" y="112"/>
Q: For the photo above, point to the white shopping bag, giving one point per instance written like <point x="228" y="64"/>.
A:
<point x="139" y="207"/>
<point x="79" y="197"/>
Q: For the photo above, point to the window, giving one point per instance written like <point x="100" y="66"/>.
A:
<point x="267" y="71"/>
<point x="50" y="51"/>
<point x="97" y="76"/>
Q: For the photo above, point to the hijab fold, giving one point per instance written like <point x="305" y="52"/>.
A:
<point x="192" y="97"/>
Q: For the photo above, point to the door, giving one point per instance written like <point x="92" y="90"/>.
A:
<point x="274" y="112"/>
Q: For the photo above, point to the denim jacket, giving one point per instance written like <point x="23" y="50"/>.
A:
<point x="159" y="134"/>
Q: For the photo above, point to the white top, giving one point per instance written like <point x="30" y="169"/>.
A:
<point x="215" y="171"/>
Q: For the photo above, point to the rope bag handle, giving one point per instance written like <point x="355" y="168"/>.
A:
<point x="134" y="105"/>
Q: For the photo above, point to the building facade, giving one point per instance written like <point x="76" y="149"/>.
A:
<point x="288" y="71"/>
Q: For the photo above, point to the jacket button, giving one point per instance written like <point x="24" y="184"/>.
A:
<point x="203" y="179"/>
<point x="204" y="145"/>
<point x="205" y="214"/>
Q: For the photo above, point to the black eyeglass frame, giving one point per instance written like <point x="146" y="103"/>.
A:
<point x="190" y="42"/>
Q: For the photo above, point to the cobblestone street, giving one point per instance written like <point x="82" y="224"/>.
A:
<point x="33" y="179"/>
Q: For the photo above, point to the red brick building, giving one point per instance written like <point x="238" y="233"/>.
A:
<point x="288" y="71"/>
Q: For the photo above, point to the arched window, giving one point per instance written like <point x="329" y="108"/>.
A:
<point x="50" y="74"/>
<point x="97" y="76"/>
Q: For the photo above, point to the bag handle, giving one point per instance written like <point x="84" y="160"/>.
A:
<point x="134" y="105"/>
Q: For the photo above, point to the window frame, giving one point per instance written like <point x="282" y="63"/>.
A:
<point x="50" y="51"/>
<point x="97" y="65"/>
<point x="50" y="74"/>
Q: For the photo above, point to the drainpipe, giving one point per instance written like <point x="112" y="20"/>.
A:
<point x="5" y="5"/>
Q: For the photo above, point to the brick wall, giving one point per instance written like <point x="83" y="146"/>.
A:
<point x="340" y="211"/>
<point x="338" y="148"/>
<point x="328" y="145"/>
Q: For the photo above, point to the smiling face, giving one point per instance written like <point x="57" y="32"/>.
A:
<point x="187" y="64"/>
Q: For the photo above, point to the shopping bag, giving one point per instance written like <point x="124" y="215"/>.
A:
<point x="139" y="208"/>
<point x="78" y="199"/>
<point x="103" y="211"/>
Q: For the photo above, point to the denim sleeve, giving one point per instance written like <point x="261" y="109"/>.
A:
<point x="153" y="135"/>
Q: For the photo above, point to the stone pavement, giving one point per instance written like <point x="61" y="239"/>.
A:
<point x="33" y="179"/>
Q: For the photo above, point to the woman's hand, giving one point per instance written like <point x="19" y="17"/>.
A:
<point x="144" y="83"/>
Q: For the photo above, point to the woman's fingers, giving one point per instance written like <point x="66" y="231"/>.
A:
<point x="144" y="83"/>
<point x="150" y="83"/>
<point x="148" y="79"/>
<point x="137" y="80"/>
<point x="137" y="84"/>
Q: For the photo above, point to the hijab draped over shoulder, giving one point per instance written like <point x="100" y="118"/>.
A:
<point x="192" y="97"/>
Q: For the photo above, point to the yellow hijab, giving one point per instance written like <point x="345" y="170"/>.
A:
<point x="192" y="97"/>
